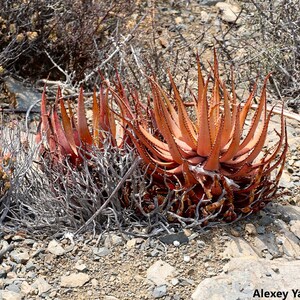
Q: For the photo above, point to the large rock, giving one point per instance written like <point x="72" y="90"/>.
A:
<point x="244" y="278"/>
<point x="22" y="96"/>
<point x="238" y="247"/>
<point x="295" y="228"/>
<point x="287" y="212"/>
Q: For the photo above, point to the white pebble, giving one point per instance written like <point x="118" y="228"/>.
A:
<point x="186" y="258"/>
<point x="176" y="243"/>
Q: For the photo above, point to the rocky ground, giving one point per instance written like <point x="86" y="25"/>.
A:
<point x="261" y="252"/>
<point x="244" y="260"/>
<point x="225" y="262"/>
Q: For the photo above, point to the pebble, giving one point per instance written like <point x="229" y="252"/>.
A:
<point x="176" y="243"/>
<point x="113" y="240"/>
<point x="26" y="288"/>
<point x="159" y="291"/>
<point x="250" y="229"/>
<point x="186" y="258"/>
<point x="55" y="248"/>
<point x="131" y="243"/>
<point x="41" y="285"/>
<point x="174" y="281"/>
<point x="178" y="20"/>
<point x="100" y="252"/>
<point x="229" y="12"/>
<point x="160" y="273"/>
<point x="81" y="268"/>
<point x="94" y="283"/>
<point x="74" y="280"/>
<point x="234" y="232"/>
<point x="30" y="266"/>
<point x="260" y="230"/>
<point x="19" y="256"/>
<point x="18" y="238"/>
<point x="9" y="295"/>
<point x="178" y="237"/>
<point x="201" y="244"/>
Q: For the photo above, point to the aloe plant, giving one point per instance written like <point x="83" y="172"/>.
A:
<point x="220" y="166"/>
<point x="70" y="137"/>
<point x="214" y="163"/>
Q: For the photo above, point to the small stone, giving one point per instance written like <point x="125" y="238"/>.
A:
<point x="101" y="252"/>
<point x="193" y="236"/>
<point x="2" y="284"/>
<point x="186" y="258"/>
<point x="208" y="2"/>
<point x="110" y="298"/>
<point x="42" y="285"/>
<point x="11" y="275"/>
<point x="174" y="281"/>
<point x="201" y="244"/>
<point x="178" y="20"/>
<point x="81" y="268"/>
<point x="19" y="256"/>
<point x="17" y="238"/>
<point x="131" y="243"/>
<point x="297" y="164"/>
<point x="9" y="295"/>
<point x="30" y="266"/>
<point x="260" y="230"/>
<point x="229" y="12"/>
<point x="94" y="282"/>
<point x="160" y="272"/>
<point x="2" y="272"/>
<point x="176" y="243"/>
<point x="186" y="281"/>
<point x="171" y="238"/>
<point x="250" y="229"/>
<point x="187" y="232"/>
<point x="204" y="16"/>
<point x="163" y="42"/>
<point x="113" y="240"/>
<point x="154" y="253"/>
<point x="26" y="288"/>
<point x="55" y="248"/>
<point x="285" y="180"/>
<point x="29" y="241"/>
<point x="48" y="258"/>
<point x="52" y="294"/>
<point x="159" y="291"/>
<point x="14" y="287"/>
<point x="74" y="280"/>
<point x="235" y="232"/>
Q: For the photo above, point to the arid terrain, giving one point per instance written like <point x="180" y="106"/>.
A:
<point x="226" y="261"/>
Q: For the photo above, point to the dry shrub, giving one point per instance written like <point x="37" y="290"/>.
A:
<point x="16" y="159"/>
<point x="76" y="35"/>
